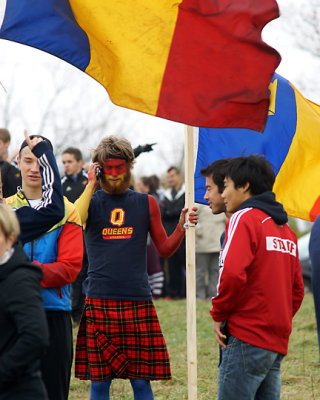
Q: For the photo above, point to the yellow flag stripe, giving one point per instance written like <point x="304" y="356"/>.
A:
<point x="130" y="43"/>
<point x="302" y="162"/>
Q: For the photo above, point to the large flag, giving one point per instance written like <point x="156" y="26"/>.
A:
<point x="291" y="142"/>
<point x="200" y="62"/>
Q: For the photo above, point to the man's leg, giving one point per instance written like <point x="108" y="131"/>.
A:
<point x="213" y="272"/>
<point x="270" y="388"/>
<point x="100" y="390"/>
<point x="56" y="363"/>
<point x="181" y="254"/>
<point x="174" y="276"/>
<point x="201" y="265"/>
<point x="243" y="369"/>
<point x="77" y="296"/>
<point x="141" y="389"/>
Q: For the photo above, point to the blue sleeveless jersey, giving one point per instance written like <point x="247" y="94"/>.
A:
<point x="116" y="238"/>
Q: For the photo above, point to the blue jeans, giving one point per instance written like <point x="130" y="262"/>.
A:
<point x="141" y="390"/>
<point x="248" y="372"/>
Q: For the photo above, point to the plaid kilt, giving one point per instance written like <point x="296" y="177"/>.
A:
<point x="121" y="339"/>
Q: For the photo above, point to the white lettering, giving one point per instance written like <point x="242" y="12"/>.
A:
<point x="282" y="245"/>
<point x="221" y="259"/>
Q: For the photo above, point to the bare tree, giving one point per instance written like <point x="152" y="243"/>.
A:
<point x="304" y="25"/>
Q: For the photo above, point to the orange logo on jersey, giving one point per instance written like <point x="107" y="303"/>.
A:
<point x="117" y="218"/>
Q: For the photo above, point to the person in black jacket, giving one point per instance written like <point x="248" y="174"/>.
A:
<point x="24" y="332"/>
<point x="10" y="175"/>
<point x="75" y="179"/>
<point x="173" y="202"/>
<point x="73" y="184"/>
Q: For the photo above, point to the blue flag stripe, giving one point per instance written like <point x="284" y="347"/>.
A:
<point x="274" y="142"/>
<point x="36" y="23"/>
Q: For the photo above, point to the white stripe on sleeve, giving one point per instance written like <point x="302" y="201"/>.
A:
<point x="48" y="180"/>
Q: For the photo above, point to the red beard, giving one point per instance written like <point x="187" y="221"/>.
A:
<point x="113" y="189"/>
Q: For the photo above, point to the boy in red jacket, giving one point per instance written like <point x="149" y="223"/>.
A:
<point x="260" y="284"/>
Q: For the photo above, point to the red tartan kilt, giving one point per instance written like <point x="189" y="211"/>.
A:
<point x="121" y="339"/>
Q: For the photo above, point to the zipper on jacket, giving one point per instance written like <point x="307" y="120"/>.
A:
<point x="31" y="255"/>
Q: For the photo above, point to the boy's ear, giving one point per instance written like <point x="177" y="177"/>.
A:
<point x="12" y="238"/>
<point x="246" y="187"/>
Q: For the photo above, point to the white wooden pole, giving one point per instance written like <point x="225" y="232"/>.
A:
<point x="190" y="268"/>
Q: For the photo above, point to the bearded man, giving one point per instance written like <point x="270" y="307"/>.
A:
<point x="119" y="334"/>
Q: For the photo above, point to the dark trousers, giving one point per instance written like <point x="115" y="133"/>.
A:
<point x="77" y="296"/>
<point x="56" y="363"/>
<point x="24" y="388"/>
<point x="177" y="277"/>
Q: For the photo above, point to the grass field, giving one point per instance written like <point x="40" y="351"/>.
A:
<point x="300" y="369"/>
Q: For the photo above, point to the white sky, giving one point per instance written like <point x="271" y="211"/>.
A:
<point x="29" y="67"/>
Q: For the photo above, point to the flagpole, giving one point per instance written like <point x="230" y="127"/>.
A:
<point x="190" y="268"/>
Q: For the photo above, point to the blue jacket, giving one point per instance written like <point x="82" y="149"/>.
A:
<point x="58" y="252"/>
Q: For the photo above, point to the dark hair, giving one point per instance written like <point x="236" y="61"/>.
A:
<point x="172" y="168"/>
<point x="25" y="144"/>
<point x="217" y="171"/>
<point x="5" y="135"/>
<point x="255" y="170"/>
<point x="145" y="180"/>
<point x="74" y="151"/>
<point x="154" y="182"/>
<point x="151" y="181"/>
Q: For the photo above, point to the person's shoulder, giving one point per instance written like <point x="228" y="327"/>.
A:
<point x="99" y="194"/>
<point x="167" y="196"/>
<point x="246" y="217"/>
<point x="131" y="192"/>
<point x="11" y="200"/>
<point x="72" y="213"/>
<point x="132" y="195"/>
<point x="242" y="215"/>
<point x="290" y="233"/>
<point x="6" y="166"/>
<point x="21" y="266"/>
<point x="98" y="197"/>
<point x="83" y="174"/>
<point x="24" y="280"/>
<point x="315" y="232"/>
<point x="317" y="222"/>
<point x="64" y="178"/>
<point x="181" y="193"/>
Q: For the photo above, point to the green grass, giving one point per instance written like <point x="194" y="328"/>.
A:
<point x="300" y="368"/>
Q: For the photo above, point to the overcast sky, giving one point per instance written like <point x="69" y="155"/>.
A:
<point x="30" y="70"/>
